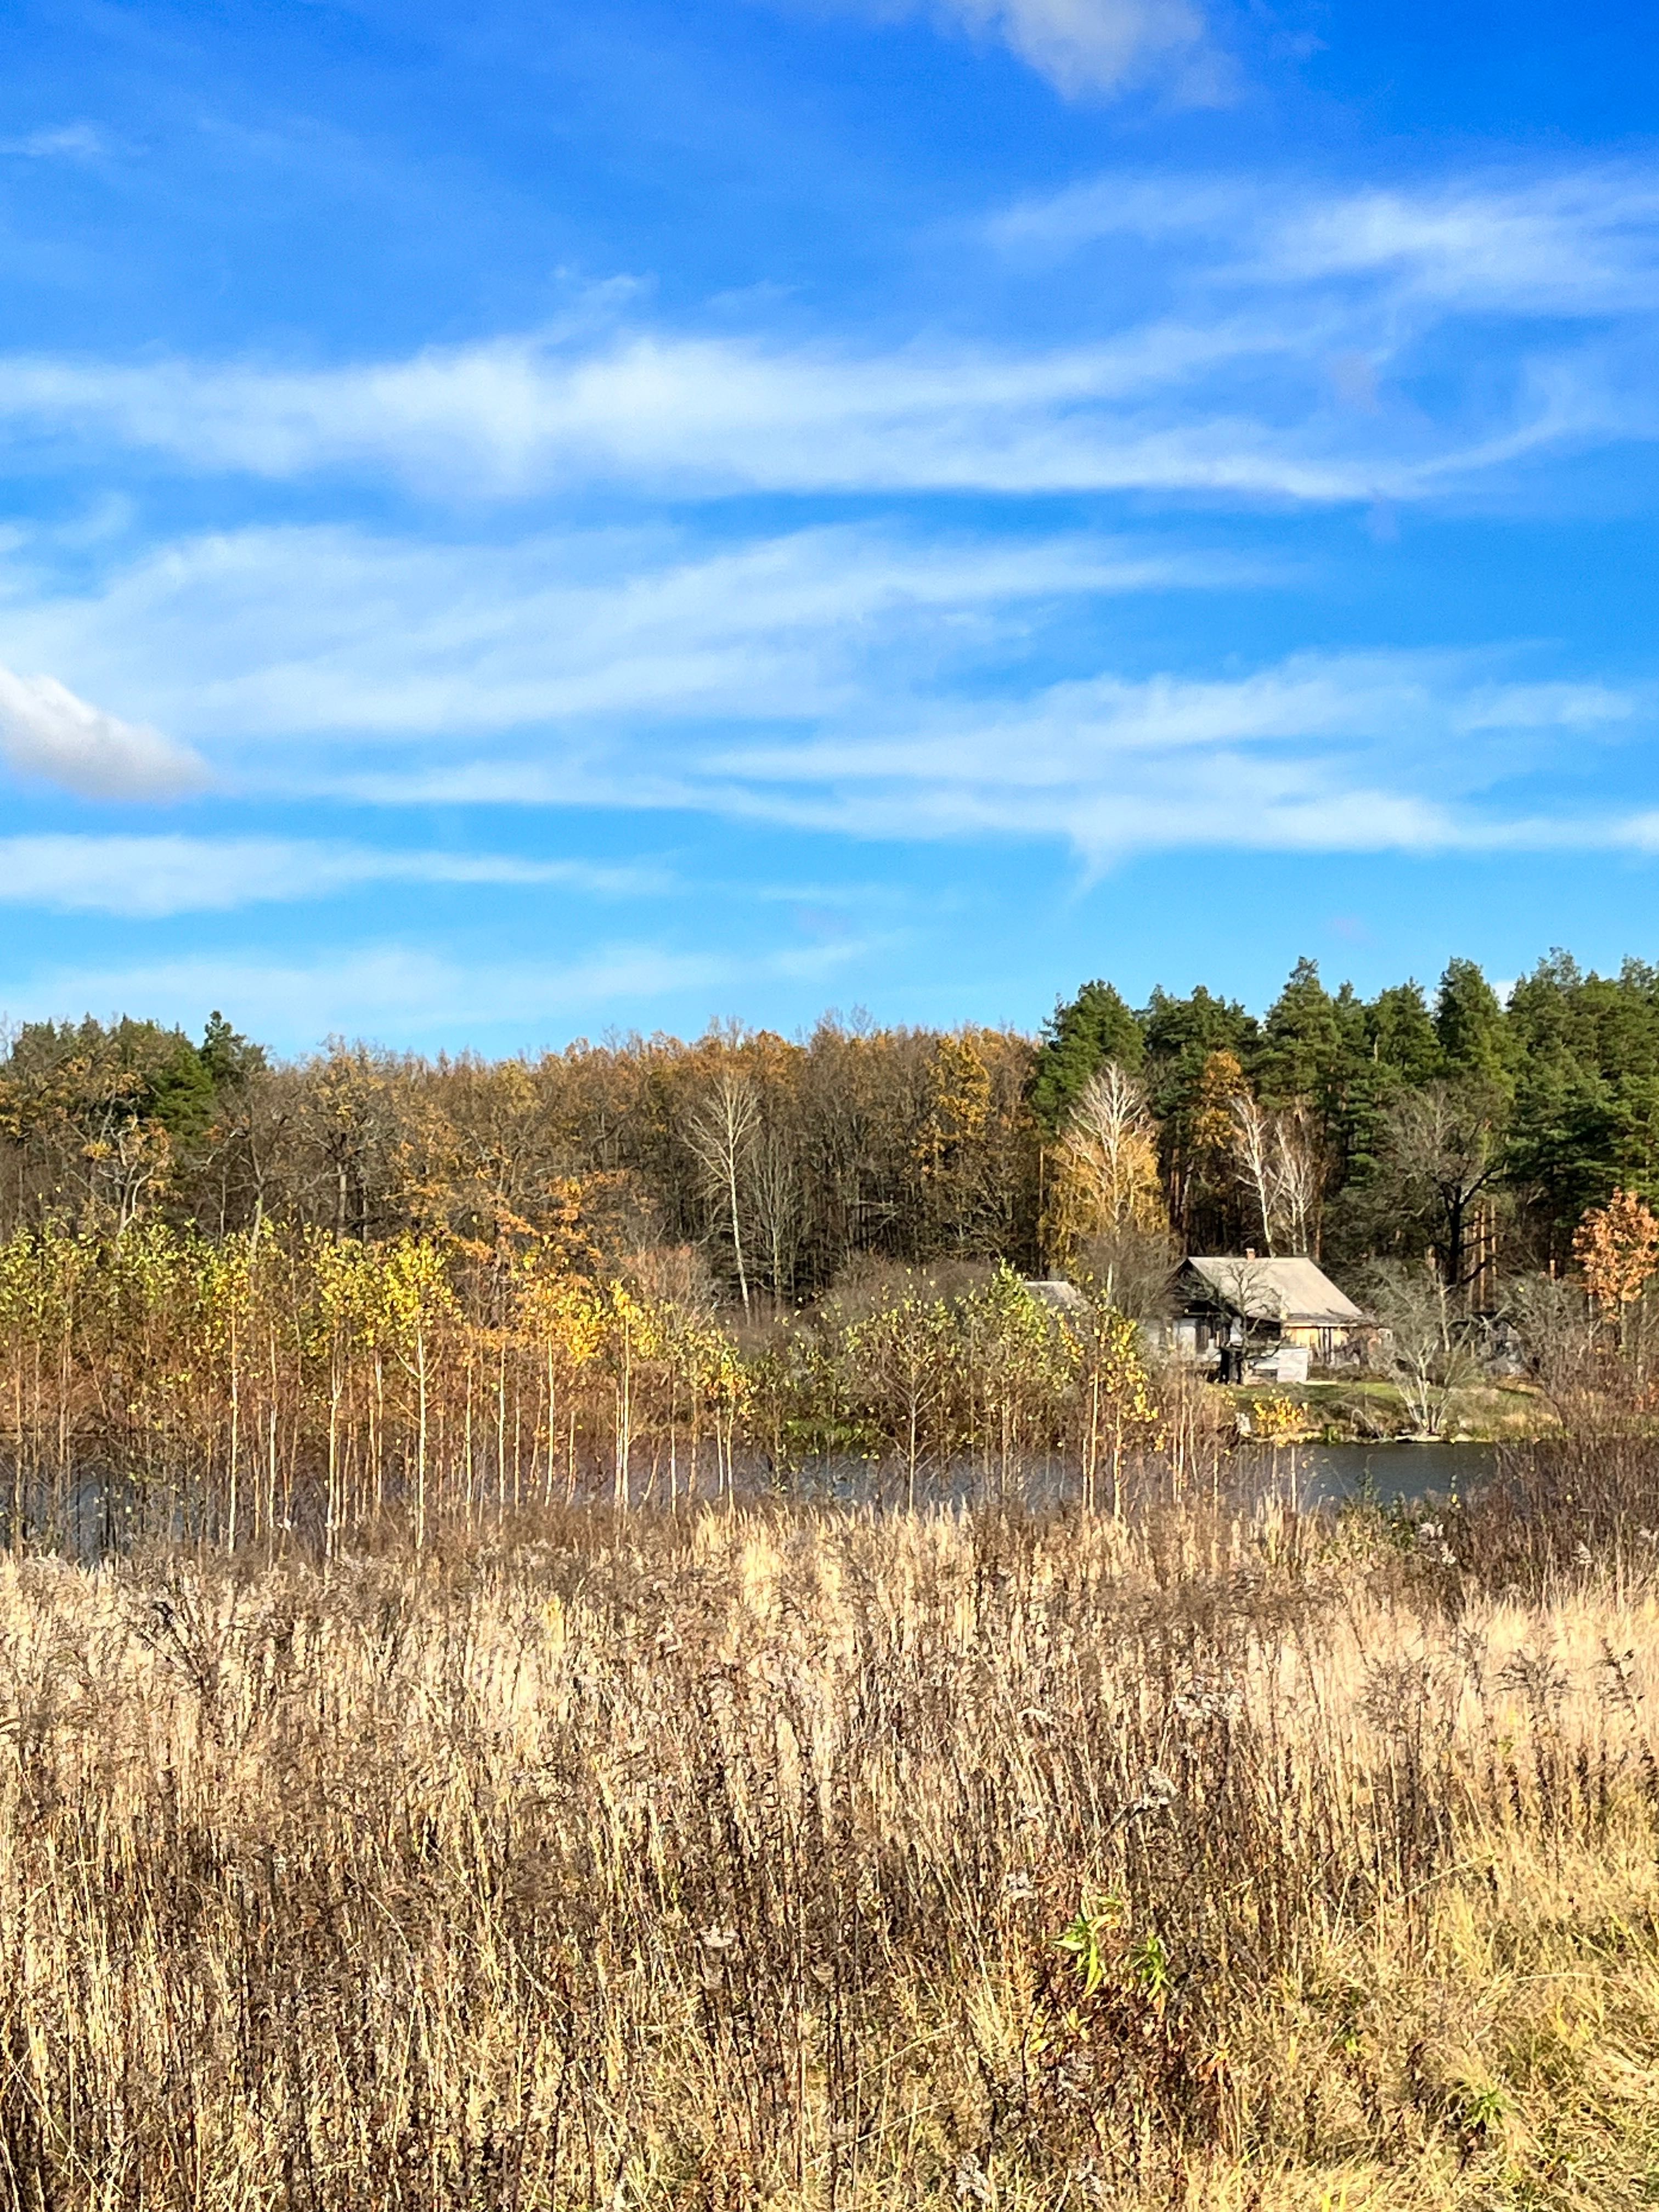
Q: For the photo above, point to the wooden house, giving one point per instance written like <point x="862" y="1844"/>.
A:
<point x="1267" y="1305"/>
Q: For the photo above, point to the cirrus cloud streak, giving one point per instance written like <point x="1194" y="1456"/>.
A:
<point x="148" y="878"/>
<point x="832" y="679"/>
<point x="1215" y="377"/>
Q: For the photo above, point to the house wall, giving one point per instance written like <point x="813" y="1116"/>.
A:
<point x="1197" y="1336"/>
<point x="1321" y="1341"/>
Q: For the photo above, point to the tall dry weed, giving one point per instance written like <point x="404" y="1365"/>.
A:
<point x="779" y="1858"/>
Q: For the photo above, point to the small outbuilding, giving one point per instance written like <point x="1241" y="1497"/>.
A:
<point x="1287" y="1306"/>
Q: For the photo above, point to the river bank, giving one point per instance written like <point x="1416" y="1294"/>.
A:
<point x="1369" y="1410"/>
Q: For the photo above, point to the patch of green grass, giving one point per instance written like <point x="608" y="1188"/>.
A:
<point x="1367" y="1409"/>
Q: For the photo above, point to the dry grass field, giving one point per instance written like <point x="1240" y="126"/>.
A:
<point x="765" y="1857"/>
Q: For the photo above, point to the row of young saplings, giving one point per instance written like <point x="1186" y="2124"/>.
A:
<point x="265" y="1388"/>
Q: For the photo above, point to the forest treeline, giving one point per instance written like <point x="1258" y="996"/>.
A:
<point x="245" y="1295"/>
<point x="1454" y="1124"/>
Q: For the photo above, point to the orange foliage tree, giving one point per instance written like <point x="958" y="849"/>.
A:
<point x="1617" y="1245"/>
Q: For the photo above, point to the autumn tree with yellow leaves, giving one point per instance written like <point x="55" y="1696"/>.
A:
<point x="1106" y="1221"/>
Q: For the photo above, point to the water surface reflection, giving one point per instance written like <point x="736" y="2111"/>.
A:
<point x="1392" y="1473"/>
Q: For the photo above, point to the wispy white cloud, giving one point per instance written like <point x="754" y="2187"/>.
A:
<point x="709" y="416"/>
<point x="150" y="877"/>
<point x="1417" y="703"/>
<point x="1584" y="244"/>
<point x="1087" y="48"/>
<point x="847" y="679"/>
<point x="1224" y="377"/>
<point x="874" y="679"/>
<point x="72" y="142"/>
<point x="1222" y="384"/>
<point x="1567" y="244"/>
<point x="1439" y="334"/>
<point x="1366" y="753"/>
<point x="1378" y="752"/>
<point x="287" y="632"/>
<point x="47" y="732"/>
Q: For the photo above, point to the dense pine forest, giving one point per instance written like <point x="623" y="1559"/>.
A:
<point x="263" y="1296"/>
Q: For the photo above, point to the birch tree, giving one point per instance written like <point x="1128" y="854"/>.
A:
<point x="721" y="1134"/>
<point x="1106" y="1176"/>
<point x="1280" y="1166"/>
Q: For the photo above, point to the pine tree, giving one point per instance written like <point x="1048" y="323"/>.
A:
<point x="1078" y="1038"/>
<point x="1301" y="1048"/>
<point x="1470" y="1028"/>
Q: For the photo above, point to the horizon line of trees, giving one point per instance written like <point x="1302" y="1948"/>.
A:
<point x="1458" y="1129"/>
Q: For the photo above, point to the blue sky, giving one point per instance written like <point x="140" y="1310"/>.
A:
<point x="524" y="521"/>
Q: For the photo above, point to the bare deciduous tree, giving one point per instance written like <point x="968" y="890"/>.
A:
<point x="1279" y="1164"/>
<point x="721" y="1134"/>
<point x="775" y="1187"/>
<point x="1559" y="1328"/>
<point x="1444" y="1158"/>
<point x="1426" y="1346"/>
<point x="1300" y="1178"/>
<point x="1252" y="1133"/>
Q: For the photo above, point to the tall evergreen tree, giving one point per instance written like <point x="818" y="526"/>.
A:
<point x="1470" y="1028"/>
<point x="1188" y="1041"/>
<point x="227" y="1054"/>
<point x="1181" y="1033"/>
<point x="1079" y="1037"/>
<point x="1400" y="1033"/>
<point x="1300" y="1051"/>
<point x="1587" y="1094"/>
<point x="1398" y="1050"/>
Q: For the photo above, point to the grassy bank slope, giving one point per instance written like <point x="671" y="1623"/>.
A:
<point x="1369" y="1411"/>
<point x="770" y="1861"/>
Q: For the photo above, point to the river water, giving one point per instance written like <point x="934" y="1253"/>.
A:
<point x="97" y="1520"/>
<point x="1308" y="1476"/>
<point x="1329" y="1475"/>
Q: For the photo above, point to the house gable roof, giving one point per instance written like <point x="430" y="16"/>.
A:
<point x="1277" y="1290"/>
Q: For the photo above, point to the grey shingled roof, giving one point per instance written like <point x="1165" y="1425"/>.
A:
<point x="1278" y="1290"/>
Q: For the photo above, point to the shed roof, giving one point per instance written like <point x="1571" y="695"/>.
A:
<point x="1277" y="1290"/>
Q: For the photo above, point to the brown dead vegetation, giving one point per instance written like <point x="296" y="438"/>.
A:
<point x="767" y="1857"/>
